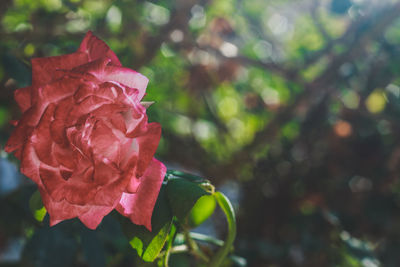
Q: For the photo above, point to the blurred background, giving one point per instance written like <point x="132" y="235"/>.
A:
<point x="290" y="107"/>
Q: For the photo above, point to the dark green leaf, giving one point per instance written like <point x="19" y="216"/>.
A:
<point x="183" y="195"/>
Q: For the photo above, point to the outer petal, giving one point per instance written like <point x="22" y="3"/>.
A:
<point x="41" y="138"/>
<point x="46" y="69"/>
<point x="139" y="206"/>
<point x="23" y="98"/>
<point x="30" y="162"/>
<point x="61" y="210"/>
<point x="96" y="48"/>
<point x="148" y="144"/>
<point x="18" y="137"/>
<point x="95" y="215"/>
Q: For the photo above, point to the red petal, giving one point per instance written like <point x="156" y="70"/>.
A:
<point x="53" y="182"/>
<point x="85" y="107"/>
<point x="60" y="210"/>
<point x="105" y="144"/>
<point x="41" y="138"/>
<point x="101" y="69"/>
<point x="94" y="216"/>
<point x="108" y="194"/>
<point x="84" y="91"/>
<point x="139" y="206"/>
<point x="135" y="123"/>
<point x="129" y="154"/>
<point x="59" y="89"/>
<point x="91" y="69"/>
<point x="30" y="163"/>
<point x="79" y="143"/>
<point x="18" y="136"/>
<point x="96" y="48"/>
<point x="148" y="144"/>
<point x="45" y="70"/>
<point x="64" y="156"/>
<point x="74" y="191"/>
<point x="63" y="108"/>
<point x="23" y="98"/>
<point x="57" y="132"/>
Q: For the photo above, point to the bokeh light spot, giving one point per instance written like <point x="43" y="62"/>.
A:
<point x="376" y="101"/>
<point x="343" y="129"/>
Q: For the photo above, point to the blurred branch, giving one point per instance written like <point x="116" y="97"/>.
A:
<point x="180" y="16"/>
<point x="317" y="21"/>
<point x="289" y="74"/>
<point x="321" y="86"/>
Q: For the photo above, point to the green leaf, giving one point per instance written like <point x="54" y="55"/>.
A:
<point x="183" y="195"/>
<point x="149" y="244"/>
<point x="202" y="210"/>
<point x="36" y="206"/>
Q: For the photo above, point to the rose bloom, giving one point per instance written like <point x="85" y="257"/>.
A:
<point x="84" y="138"/>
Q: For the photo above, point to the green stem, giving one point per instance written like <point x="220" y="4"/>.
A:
<point x="227" y="208"/>
<point x="194" y="248"/>
<point x="169" y="245"/>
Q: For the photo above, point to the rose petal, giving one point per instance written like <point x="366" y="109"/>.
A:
<point x="56" y="91"/>
<point x="74" y="191"/>
<point x="46" y="69"/>
<point x="65" y="156"/>
<point x="101" y="69"/>
<point x="127" y="77"/>
<point x="135" y="123"/>
<point x="18" y="136"/>
<point x="52" y="181"/>
<point x="30" y="163"/>
<point x="148" y="144"/>
<point x="60" y="210"/>
<point x="85" y="107"/>
<point x="95" y="215"/>
<point x="41" y="138"/>
<point x="23" y="98"/>
<point x="105" y="143"/>
<point x="96" y="48"/>
<point x="139" y="206"/>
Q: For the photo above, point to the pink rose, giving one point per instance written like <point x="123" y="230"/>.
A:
<point x="84" y="138"/>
